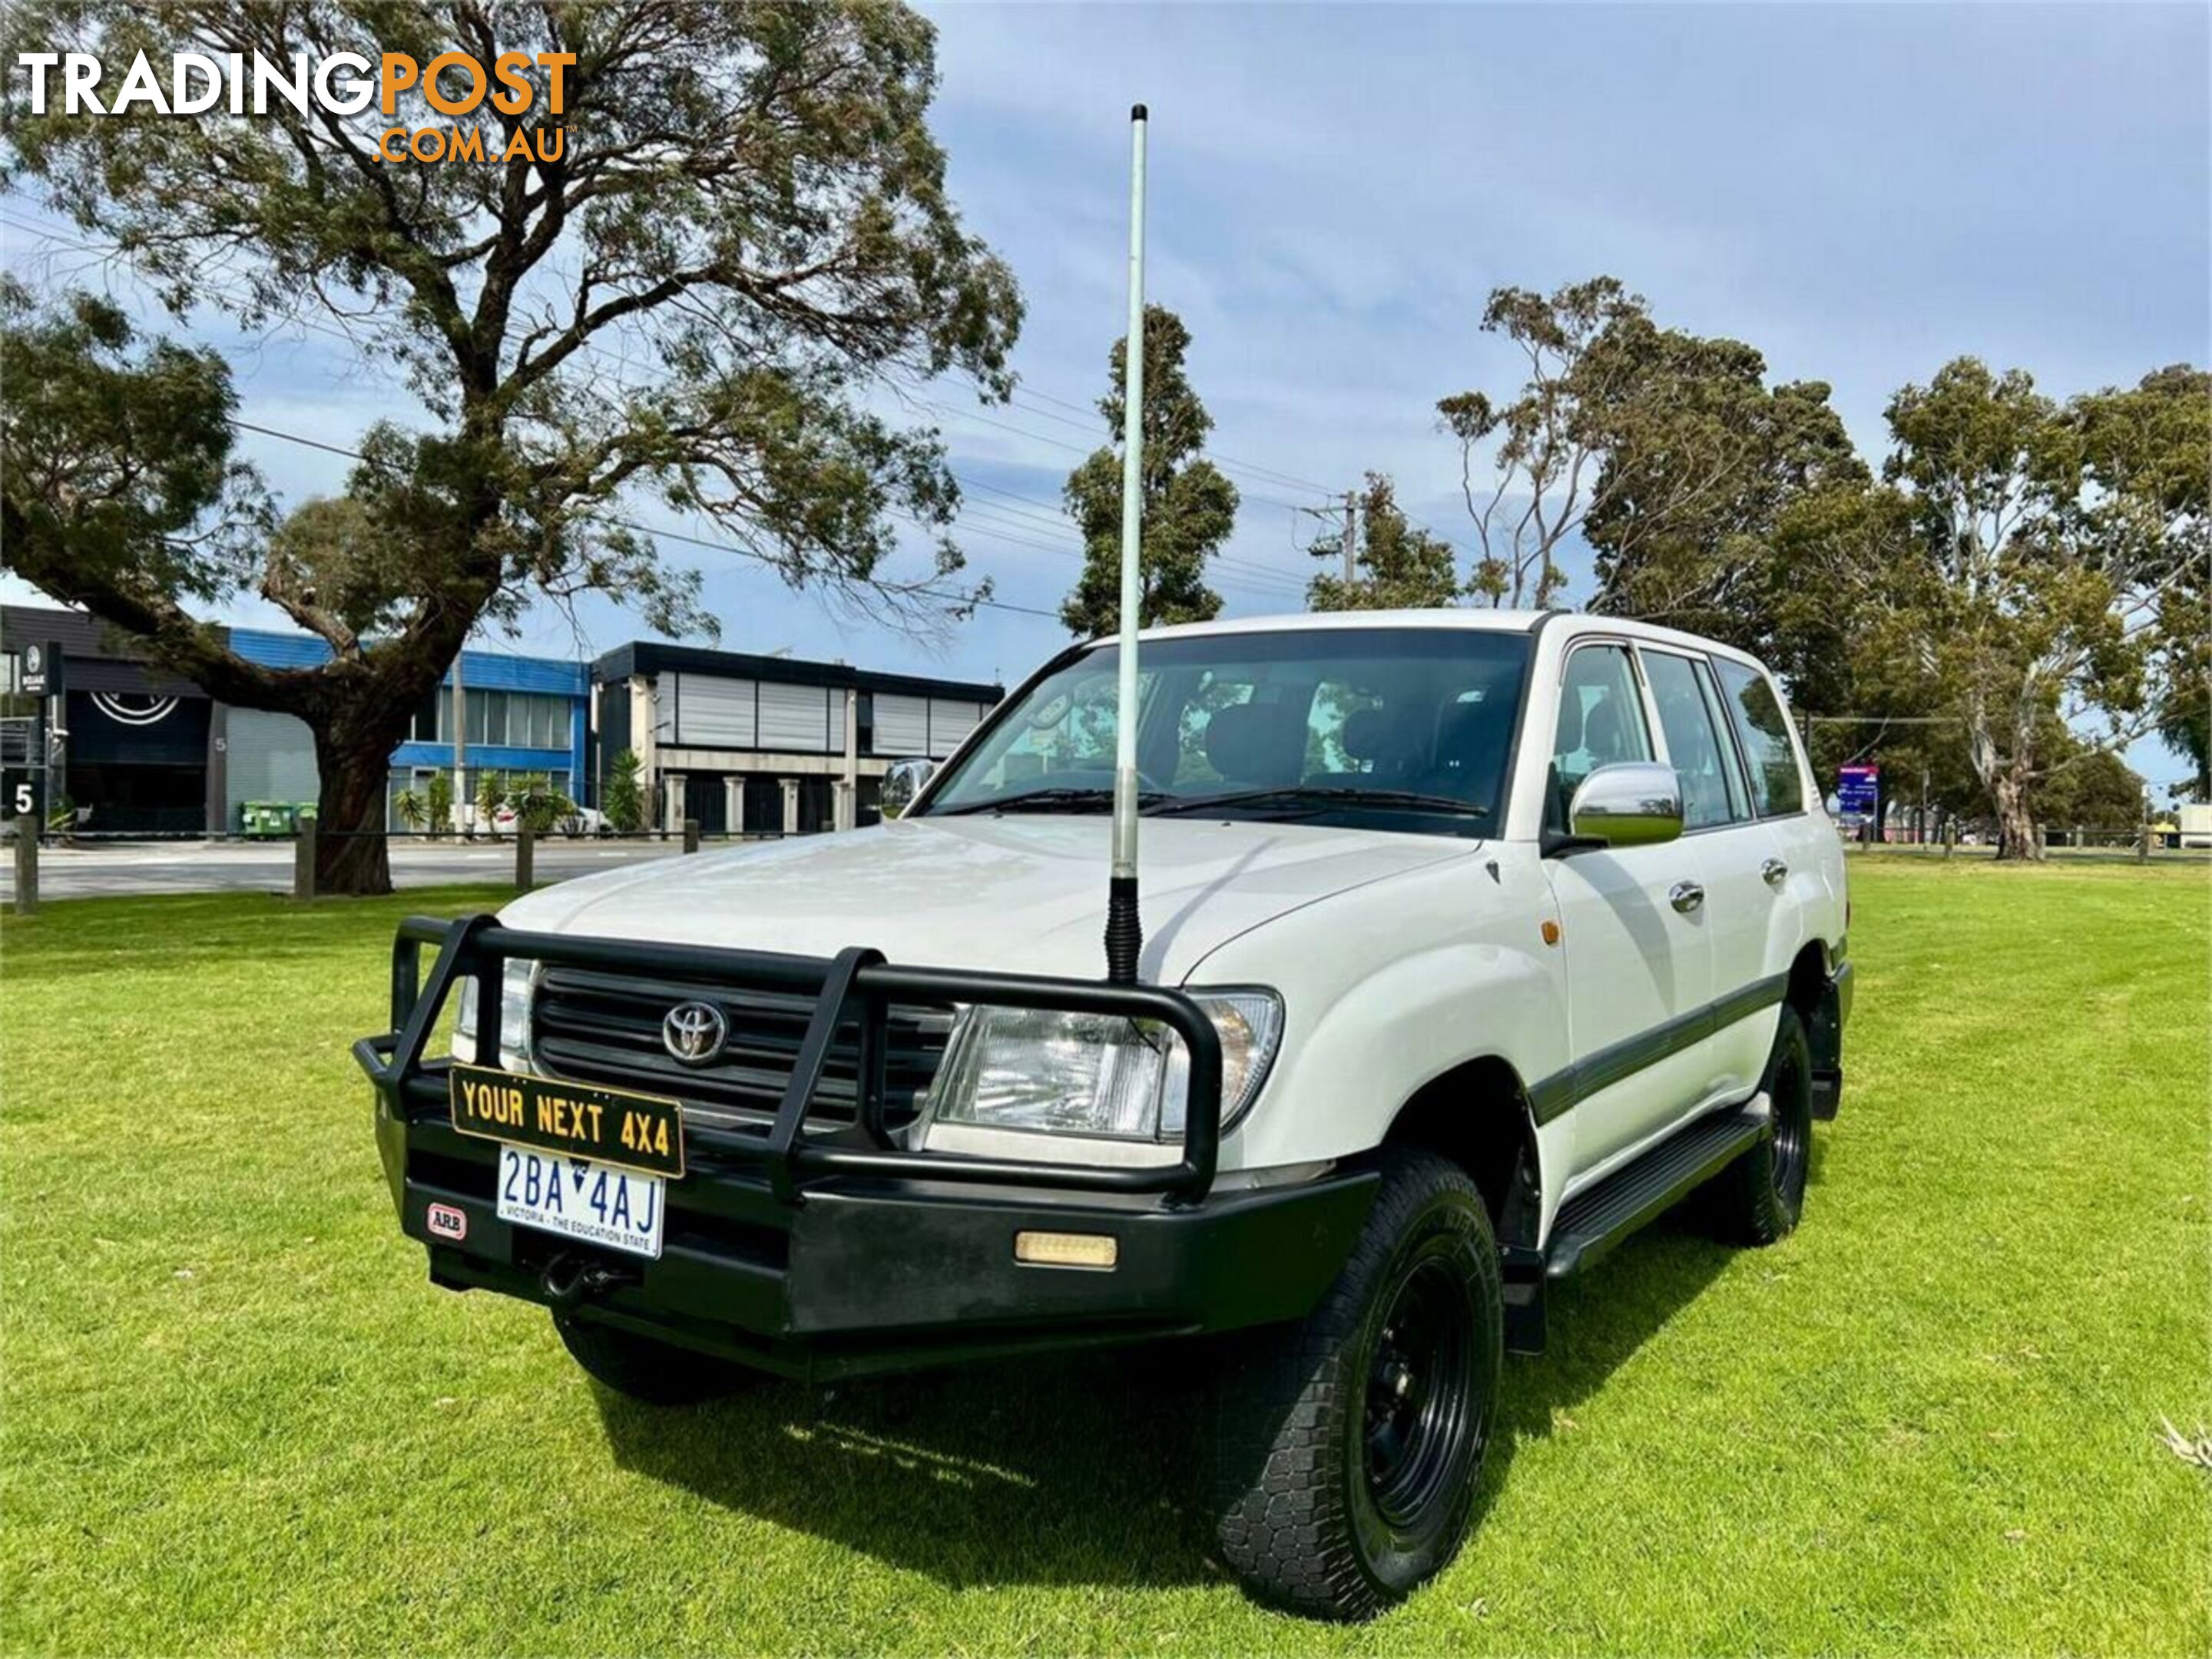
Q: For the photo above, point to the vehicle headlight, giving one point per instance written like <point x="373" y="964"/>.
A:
<point x="514" y="987"/>
<point x="1098" y="1074"/>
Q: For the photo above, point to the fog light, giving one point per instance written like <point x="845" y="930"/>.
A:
<point x="1099" y="1251"/>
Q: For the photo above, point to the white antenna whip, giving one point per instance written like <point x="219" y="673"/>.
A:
<point x="1124" y="932"/>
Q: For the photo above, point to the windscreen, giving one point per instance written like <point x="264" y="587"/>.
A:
<point x="1359" y="724"/>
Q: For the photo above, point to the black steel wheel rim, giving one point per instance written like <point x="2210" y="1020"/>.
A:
<point x="1792" y="1116"/>
<point x="1420" y="1408"/>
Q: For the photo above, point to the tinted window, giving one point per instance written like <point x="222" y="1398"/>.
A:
<point x="1775" y="786"/>
<point x="1601" y="718"/>
<point x="1694" y="746"/>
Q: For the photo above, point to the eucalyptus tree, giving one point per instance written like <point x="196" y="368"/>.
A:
<point x="698" y="295"/>
<point x="2049" y="596"/>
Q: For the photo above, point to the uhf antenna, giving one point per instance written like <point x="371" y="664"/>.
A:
<point x="1125" y="931"/>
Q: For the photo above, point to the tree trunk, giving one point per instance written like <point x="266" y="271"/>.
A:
<point x="2016" y="836"/>
<point x="350" y="857"/>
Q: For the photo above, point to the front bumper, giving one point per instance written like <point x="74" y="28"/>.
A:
<point x="827" y="1259"/>
<point x="865" y="1274"/>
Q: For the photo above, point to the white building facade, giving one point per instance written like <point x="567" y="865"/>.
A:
<point x="745" y="745"/>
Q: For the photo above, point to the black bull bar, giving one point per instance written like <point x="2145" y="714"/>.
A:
<point x="856" y="987"/>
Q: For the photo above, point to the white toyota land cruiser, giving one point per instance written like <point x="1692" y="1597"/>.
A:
<point x="1470" y="943"/>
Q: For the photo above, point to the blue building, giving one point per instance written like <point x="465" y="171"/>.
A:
<point x="521" y="716"/>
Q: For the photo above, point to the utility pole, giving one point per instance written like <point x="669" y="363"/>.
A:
<point x="461" y="797"/>
<point x="1349" y="551"/>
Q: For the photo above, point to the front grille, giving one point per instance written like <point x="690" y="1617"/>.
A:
<point x="591" y="1027"/>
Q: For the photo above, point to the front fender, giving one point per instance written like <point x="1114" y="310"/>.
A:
<point x="1385" y="995"/>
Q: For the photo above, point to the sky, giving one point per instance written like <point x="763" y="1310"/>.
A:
<point x="1862" y="192"/>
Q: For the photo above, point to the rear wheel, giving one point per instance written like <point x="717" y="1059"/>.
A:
<point x="1758" y="1198"/>
<point x="1348" y="1447"/>
<point x="640" y="1369"/>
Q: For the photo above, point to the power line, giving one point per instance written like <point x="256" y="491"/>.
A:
<point x="1054" y="513"/>
<point x="1226" y="461"/>
<point x="1030" y="524"/>
<point x="1086" y="449"/>
<point x="1061" y="522"/>
<point x="1002" y="528"/>
<point x="661" y="534"/>
<point x="958" y="598"/>
<point x="603" y="352"/>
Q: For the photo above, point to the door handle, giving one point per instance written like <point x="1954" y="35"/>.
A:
<point x="1774" y="872"/>
<point x="1685" y="896"/>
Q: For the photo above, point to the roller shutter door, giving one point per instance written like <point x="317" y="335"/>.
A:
<point x="950" y="722"/>
<point x="794" y="718"/>
<point x="902" y="725"/>
<point x="711" y="713"/>
<point x="270" y="758"/>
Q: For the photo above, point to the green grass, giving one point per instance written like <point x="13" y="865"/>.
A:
<point x="238" y="1419"/>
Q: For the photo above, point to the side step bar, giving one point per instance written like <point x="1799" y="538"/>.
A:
<point x="1591" y="1223"/>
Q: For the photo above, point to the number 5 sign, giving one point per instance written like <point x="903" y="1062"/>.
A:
<point x="20" y="791"/>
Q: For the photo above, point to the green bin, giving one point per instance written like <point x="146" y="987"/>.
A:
<point x="262" y="819"/>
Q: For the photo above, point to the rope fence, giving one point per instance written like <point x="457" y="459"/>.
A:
<point x="307" y="837"/>
<point x="2138" y="842"/>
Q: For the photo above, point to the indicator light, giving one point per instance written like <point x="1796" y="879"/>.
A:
<point x="1099" y="1251"/>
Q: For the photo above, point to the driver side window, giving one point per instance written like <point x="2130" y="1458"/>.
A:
<point x="1601" y="719"/>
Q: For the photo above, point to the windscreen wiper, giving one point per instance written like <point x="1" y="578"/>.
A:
<point x="1319" y="798"/>
<point x="1042" y="801"/>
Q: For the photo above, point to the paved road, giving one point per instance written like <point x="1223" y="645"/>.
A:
<point x="230" y="866"/>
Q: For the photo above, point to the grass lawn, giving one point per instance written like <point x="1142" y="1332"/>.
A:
<point x="238" y="1419"/>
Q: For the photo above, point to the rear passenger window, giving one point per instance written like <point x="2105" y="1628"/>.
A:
<point x="1696" y="747"/>
<point x="1601" y="718"/>
<point x="1731" y="759"/>
<point x="1775" y="786"/>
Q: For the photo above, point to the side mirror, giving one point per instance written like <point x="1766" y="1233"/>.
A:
<point x="903" y="783"/>
<point x="1635" y="804"/>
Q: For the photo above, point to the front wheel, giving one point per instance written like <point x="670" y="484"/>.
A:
<point x="638" y="1368"/>
<point x="1347" y="1448"/>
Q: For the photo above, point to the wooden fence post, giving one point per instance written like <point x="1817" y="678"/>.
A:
<point x="691" y="835"/>
<point x="525" y="858"/>
<point x="303" y="861"/>
<point x="27" y="864"/>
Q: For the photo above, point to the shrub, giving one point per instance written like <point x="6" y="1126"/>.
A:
<point x="538" y="804"/>
<point x="439" y="805"/>
<point x="624" y="799"/>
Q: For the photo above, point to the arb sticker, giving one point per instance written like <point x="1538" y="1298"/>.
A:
<point x="447" y="1222"/>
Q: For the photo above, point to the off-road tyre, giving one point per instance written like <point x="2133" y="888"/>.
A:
<point x="1758" y="1198"/>
<point x="638" y="1368"/>
<point x="1305" y="1513"/>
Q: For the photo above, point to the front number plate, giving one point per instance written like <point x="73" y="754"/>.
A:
<point x="581" y="1200"/>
